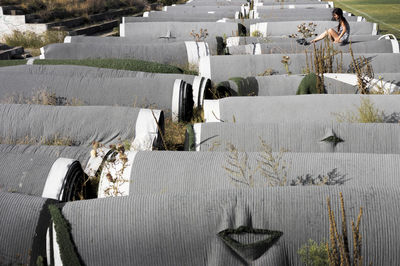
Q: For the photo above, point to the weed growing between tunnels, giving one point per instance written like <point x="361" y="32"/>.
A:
<point x="56" y="140"/>
<point x="286" y="62"/>
<point x="272" y="167"/>
<point x="33" y="40"/>
<point x="113" y="165"/>
<point x="336" y="251"/>
<point x="366" y="113"/>
<point x="41" y="97"/>
<point x="306" y="31"/>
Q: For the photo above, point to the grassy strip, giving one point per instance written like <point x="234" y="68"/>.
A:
<point x="383" y="12"/>
<point x="123" y="64"/>
<point x="68" y="253"/>
<point x="4" y="63"/>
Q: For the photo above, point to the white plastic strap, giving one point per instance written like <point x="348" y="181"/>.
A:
<point x="42" y="56"/>
<point x="393" y="39"/>
<point x="211" y="111"/>
<point x="55" y="179"/>
<point x="257" y="49"/>
<point x="56" y="249"/>
<point x="67" y="39"/>
<point x="261" y="27"/>
<point x="122" y="30"/>
<point x="232" y="41"/>
<point x="196" y="50"/>
<point x="205" y="67"/>
<point x="95" y="161"/>
<point x="120" y="184"/>
<point x="375" y="29"/>
<point x="175" y="99"/>
<point x="197" y="135"/>
<point x="146" y="129"/>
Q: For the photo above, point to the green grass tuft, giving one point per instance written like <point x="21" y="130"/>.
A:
<point x="68" y="252"/>
<point x="123" y="64"/>
<point x="5" y="63"/>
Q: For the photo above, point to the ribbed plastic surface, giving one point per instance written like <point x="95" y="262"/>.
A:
<point x="23" y="224"/>
<point x="302" y="137"/>
<point x="310" y="108"/>
<point x="81" y="153"/>
<point x="253" y="65"/>
<point x="124" y="230"/>
<point x="161" y="53"/>
<point x="86" y="72"/>
<point x="204" y="171"/>
<point x="149" y="92"/>
<point x="80" y="124"/>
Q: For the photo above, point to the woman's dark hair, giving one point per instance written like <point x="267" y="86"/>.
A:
<point x="339" y="12"/>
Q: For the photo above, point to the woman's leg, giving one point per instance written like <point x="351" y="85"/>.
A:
<point x="331" y="33"/>
<point x="321" y="36"/>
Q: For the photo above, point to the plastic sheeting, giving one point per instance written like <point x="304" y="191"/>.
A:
<point x="316" y="107"/>
<point x="159" y="93"/>
<point x="299" y="136"/>
<point x="381" y="46"/>
<point x="214" y="67"/>
<point x="80" y="153"/>
<point x="203" y="18"/>
<point x="189" y="173"/>
<point x="79" y="125"/>
<point x="179" y="30"/>
<point x="187" y="223"/>
<point x="23" y="225"/>
<point x="171" y="53"/>
<point x="234" y="41"/>
<point x="75" y="71"/>
<point x="41" y="175"/>
<point x="215" y="14"/>
<point x="280" y="85"/>
<point x="300" y="6"/>
<point x="213" y="43"/>
<point x="290" y="27"/>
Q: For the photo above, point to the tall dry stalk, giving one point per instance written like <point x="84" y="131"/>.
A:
<point x="322" y="61"/>
<point x="338" y="248"/>
<point x="363" y="70"/>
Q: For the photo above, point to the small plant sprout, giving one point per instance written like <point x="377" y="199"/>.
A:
<point x="286" y="62"/>
<point x="200" y="36"/>
<point x="314" y="254"/>
<point x="257" y="33"/>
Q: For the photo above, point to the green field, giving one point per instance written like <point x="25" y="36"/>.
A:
<point x="384" y="12"/>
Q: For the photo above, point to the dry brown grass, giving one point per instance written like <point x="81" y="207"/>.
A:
<point x="50" y="10"/>
<point x="41" y="97"/>
<point x="56" y="140"/>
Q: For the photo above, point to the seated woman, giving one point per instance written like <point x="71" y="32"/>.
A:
<point x="343" y="31"/>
